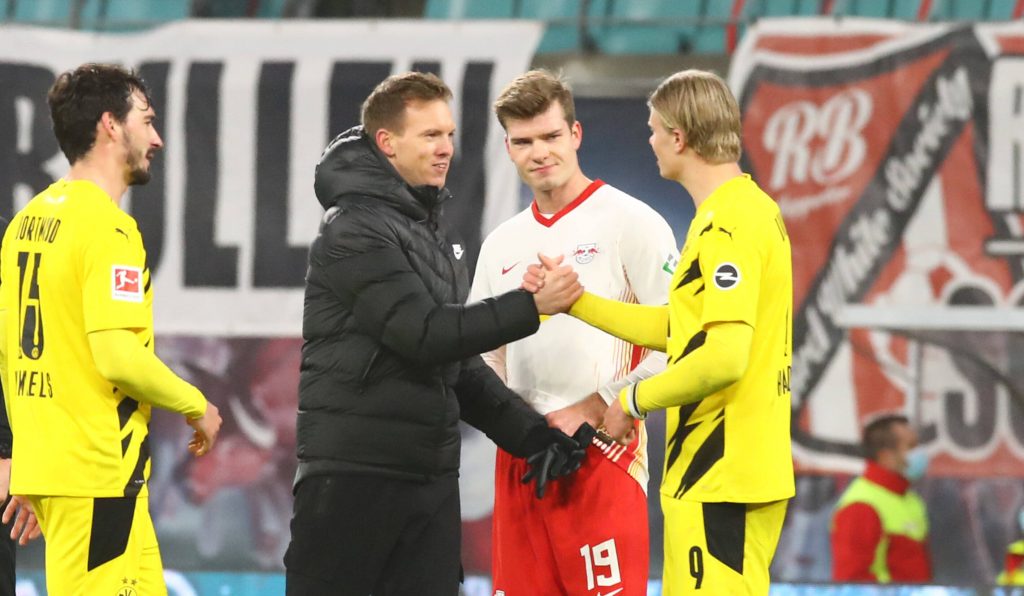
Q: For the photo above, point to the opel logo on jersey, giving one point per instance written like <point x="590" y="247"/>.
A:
<point x="727" y="276"/>
<point x="585" y="253"/>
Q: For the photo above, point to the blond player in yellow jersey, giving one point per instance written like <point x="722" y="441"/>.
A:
<point x="79" y="368"/>
<point x="728" y="466"/>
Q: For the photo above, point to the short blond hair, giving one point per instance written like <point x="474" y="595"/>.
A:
<point x="699" y="103"/>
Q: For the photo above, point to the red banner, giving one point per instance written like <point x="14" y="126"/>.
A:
<point x="895" y="153"/>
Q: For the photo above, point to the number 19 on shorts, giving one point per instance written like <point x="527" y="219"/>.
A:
<point x="602" y="563"/>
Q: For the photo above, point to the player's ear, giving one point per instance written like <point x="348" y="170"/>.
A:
<point x="107" y="125"/>
<point x="385" y="142"/>
<point x="678" y="140"/>
<point x="577" y="134"/>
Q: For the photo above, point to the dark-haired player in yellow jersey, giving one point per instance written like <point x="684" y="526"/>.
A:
<point x="728" y="466"/>
<point x="80" y="374"/>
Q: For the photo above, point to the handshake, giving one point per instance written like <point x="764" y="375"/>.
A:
<point x="562" y="456"/>
<point x="555" y="287"/>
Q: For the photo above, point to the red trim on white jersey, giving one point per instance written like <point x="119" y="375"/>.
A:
<point x="548" y="222"/>
<point x="639" y="353"/>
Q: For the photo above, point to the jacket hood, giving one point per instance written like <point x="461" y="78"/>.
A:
<point x="352" y="166"/>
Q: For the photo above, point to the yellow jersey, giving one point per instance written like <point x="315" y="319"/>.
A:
<point x="72" y="262"/>
<point x="736" y="265"/>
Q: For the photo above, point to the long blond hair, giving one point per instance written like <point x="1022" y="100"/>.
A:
<point x="699" y="103"/>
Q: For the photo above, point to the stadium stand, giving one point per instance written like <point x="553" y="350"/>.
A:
<point x="609" y="27"/>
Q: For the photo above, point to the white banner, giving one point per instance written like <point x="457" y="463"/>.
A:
<point x="245" y="109"/>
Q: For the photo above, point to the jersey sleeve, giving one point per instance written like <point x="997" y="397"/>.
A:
<point x="649" y="256"/>
<point x="731" y="267"/>
<point x="114" y="279"/>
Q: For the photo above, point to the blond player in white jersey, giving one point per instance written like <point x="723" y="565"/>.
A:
<point x="589" y="534"/>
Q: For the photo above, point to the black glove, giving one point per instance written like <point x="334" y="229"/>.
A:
<point x="584" y="437"/>
<point x="562" y="456"/>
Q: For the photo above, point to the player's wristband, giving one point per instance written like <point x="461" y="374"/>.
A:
<point x="629" y="402"/>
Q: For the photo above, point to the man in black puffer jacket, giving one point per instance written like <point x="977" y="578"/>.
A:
<point x="390" y="362"/>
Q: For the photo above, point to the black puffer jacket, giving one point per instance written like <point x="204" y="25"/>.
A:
<point x="390" y="361"/>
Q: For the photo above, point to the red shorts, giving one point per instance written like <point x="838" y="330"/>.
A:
<point x="587" y="536"/>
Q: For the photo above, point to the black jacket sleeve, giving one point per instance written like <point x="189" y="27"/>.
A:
<point x="366" y="268"/>
<point x="488" y="405"/>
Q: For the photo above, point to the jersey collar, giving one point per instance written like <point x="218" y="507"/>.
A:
<point x="550" y="221"/>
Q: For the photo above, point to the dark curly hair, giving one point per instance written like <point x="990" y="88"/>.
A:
<point x="80" y="97"/>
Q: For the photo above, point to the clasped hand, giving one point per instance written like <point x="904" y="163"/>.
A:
<point x="555" y="287"/>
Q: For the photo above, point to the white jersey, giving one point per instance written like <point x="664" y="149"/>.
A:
<point x="621" y="249"/>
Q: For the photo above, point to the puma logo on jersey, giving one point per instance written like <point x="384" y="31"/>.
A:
<point x="126" y="283"/>
<point x="727" y="276"/>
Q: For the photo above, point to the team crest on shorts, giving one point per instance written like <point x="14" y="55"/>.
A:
<point x="585" y="253"/>
<point x="126" y="283"/>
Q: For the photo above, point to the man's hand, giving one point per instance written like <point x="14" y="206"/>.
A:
<point x="589" y="410"/>
<point x="533" y="279"/>
<point x="206" y="428"/>
<point x="25" y="527"/>
<point x="618" y="424"/>
<point x="562" y="456"/>
<point x="558" y="289"/>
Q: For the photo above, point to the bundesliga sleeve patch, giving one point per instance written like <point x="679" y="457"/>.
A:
<point x="670" y="264"/>
<point x="126" y="283"/>
<point x="727" y="276"/>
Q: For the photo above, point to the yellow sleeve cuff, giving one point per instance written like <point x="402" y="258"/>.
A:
<point x="628" y="399"/>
